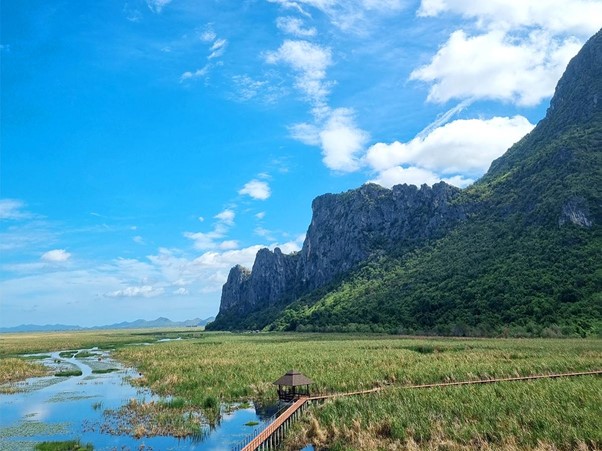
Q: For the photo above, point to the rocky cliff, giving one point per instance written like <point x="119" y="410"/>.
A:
<point x="346" y="229"/>
<point x="517" y="253"/>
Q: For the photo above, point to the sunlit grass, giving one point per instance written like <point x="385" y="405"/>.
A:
<point x="543" y="414"/>
<point x="14" y="369"/>
<point x="201" y="373"/>
<point x="239" y="367"/>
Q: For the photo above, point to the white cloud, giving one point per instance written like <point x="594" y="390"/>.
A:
<point x="157" y="6"/>
<point x="227" y="259"/>
<point x="306" y="133"/>
<point x="291" y="246"/>
<point x="581" y="17"/>
<point x="138" y="240"/>
<point x="199" y="73"/>
<point x="247" y="88"/>
<point x="211" y="240"/>
<point x="13" y="209"/>
<point x="264" y="233"/>
<point x="260" y="215"/>
<point x="348" y="15"/>
<point x="399" y="175"/>
<point x="339" y="137"/>
<point x="498" y="66"/>
<point x="181" y="291"/>
<point x="208" y="35"/>
<point x="310" y="61"/>
<point x="145" y="291"/>
<point x="341" y="141"/>
<point x="56" y="256"/>
<point x="201" y="219"/>
<point x="294" y="26"/>
<point x="256" y="189"/>
<point x="228" y="244"/>
<point x="203" y="241"/>
<point x="218" y="48"/>
<point x="466" y="146"/>
<point x="226" y="217"/>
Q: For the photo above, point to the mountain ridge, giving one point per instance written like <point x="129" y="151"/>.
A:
<point x="137" y="324"/>
<point x="518" y="249"/>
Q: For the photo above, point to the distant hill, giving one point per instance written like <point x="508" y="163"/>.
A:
<point x="518" y="253"/>
<point x="138" y="324"/>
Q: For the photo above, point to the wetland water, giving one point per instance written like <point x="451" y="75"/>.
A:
<point x="71" y="408"/>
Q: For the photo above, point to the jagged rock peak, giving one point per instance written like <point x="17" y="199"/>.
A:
<point x="345" y="230"/>
<point x="578" y="94"/>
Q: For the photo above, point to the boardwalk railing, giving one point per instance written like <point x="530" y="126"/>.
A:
<point x="260" y="427"/>
<point x="273" y="434"/>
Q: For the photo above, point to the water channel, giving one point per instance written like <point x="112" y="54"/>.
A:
<point x="72" y="408"/>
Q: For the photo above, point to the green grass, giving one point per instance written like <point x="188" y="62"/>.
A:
<point x="68" y="373"/>
<point x="70" y="445"/>
<point x="218" y="368"/>
<point x="560" y="414"/>
<point x="105" y="371"/>
<point x="16" y="369"/>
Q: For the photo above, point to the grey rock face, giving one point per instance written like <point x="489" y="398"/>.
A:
<point x="272" y="275"/>
<point x="346" y="229"/>
<point x="575" y="211"/>
<point x="233" y="291"/>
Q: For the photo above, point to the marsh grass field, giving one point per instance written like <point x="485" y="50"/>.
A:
<point x="208" y="369"/>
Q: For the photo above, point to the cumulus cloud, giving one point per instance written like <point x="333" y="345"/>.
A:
<point x="339" y="137"/>
<point x="581" y="17"/>
<point x="257" y="189"/>
<point x="294" y="26"/>
<point x="498" y="66"/>
<point x="310" y="61"/>
<point x="519" y="54"/>
<point x="464" y="146"/>
<point x="457" y="152"/>
<point x="56" y="256"/>
<point x="341" y="141"/>
<point x="157" y="6"/>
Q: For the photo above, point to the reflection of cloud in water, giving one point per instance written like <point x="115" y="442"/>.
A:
<point x="40" y="410"/>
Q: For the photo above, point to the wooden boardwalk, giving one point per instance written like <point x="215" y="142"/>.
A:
<point x="273" y="434"/>
<point x="449" y="384"/>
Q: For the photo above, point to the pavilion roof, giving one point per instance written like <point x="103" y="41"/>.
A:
<point x="293" y="378"/>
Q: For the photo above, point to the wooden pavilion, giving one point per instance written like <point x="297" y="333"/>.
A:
<point x="293" y="385"/>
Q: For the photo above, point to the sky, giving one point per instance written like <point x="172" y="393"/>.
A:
<point x="147" y="146"/>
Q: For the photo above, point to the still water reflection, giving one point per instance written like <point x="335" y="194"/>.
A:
<point x="70" y="408"/>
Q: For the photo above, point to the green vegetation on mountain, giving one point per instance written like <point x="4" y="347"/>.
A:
<point x="518" y="253"/>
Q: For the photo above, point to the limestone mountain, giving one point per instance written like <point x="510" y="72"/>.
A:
<point x="518" y="252"/>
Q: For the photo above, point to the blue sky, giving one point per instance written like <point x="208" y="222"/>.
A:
<point x="150" y="145"/>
